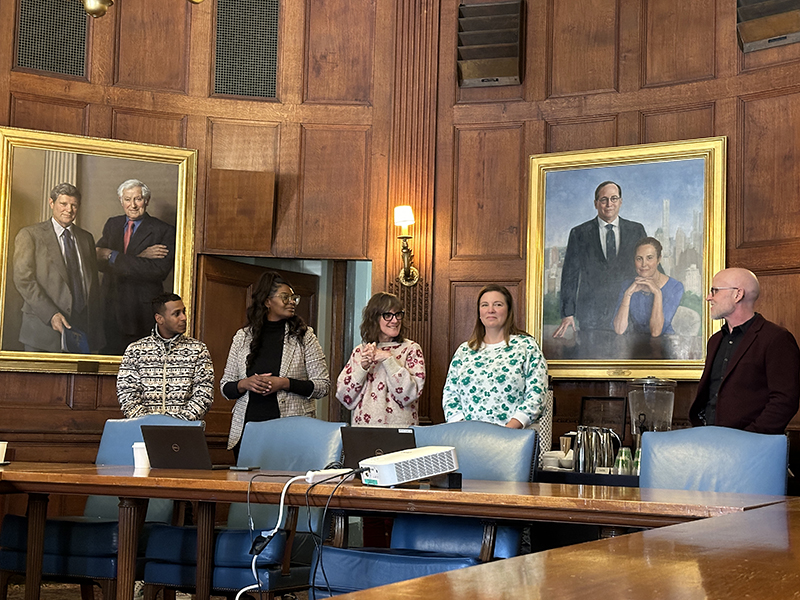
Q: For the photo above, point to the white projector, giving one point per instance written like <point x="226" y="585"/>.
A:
<point x="408" y="465"/>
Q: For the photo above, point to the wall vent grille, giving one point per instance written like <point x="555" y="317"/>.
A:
<point x="247" y="48"/>
<point x="52" y="36"/>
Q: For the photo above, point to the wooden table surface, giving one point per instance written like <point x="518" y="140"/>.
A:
<point x="613" y="506"/>
<point x="752" y="554"/>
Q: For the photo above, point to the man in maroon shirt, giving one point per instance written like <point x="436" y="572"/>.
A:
<point x="751" y="378"/>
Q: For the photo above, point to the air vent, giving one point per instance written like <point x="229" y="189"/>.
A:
<point x="489" y="44"/>
<point x="247" y="48"/>
<point x="767" y="23"/>
<point x="52" y="37"/>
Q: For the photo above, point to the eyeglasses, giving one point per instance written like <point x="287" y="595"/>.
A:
<point x="388" y="316"/>
<point x="288" y="298"/>
<point x="612" y="200"/>
<point x="713" y="291"/>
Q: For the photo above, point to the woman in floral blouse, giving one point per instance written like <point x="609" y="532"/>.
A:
<point x="499" y="375"/>
<point x="383" y="380"/>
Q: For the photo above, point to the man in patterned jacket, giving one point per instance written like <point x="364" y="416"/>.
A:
<point x="167" y="372"/>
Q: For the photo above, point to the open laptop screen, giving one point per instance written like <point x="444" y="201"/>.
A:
<point x="176" y="447"/>
<point x="359" y="443"/>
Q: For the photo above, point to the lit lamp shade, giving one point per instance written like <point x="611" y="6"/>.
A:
<point x="403" y="216"/>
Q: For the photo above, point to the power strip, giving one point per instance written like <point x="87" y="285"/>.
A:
<point x="328" y="475"/>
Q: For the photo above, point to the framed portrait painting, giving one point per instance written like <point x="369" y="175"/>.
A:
<point x="622" y="245"/>
<point x="90" y="231"/>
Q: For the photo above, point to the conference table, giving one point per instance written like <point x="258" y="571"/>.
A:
<point x="750" y="554"/>
<point x="600" y="505"/>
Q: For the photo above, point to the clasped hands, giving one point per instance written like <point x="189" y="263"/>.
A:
<point x="643" y="284"/>
<point x="372" y="355"/>
<point x="263" y="384"/>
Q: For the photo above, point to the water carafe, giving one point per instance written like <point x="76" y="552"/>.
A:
<point x="651" y="401"/>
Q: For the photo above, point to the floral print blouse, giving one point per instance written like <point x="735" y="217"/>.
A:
<point x="386" y="395"/>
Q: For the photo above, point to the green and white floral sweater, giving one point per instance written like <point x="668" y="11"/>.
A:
<point x="496" y="383"/>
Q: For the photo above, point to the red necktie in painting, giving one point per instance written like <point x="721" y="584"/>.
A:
<point x="128" y="234"/>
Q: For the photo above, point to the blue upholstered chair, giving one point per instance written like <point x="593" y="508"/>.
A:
<point x="714" y="459"/>
<point x="422" y="544"/>
<point x="288" y="444"/>
<point x="85" y="548"/>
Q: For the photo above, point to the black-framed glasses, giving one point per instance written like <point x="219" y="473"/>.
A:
<point x="713" y="291"/>
<point x="288" y="298"/>
<point x="612" y="200"/>
<point x="388" y="316"/>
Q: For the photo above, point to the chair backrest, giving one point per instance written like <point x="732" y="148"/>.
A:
<point x="285" y="444"/>
<point x="116" y="448"/>
<point x="714" y="459"/>
<point x="484" y="450"/>
<point x="544" y="426"/>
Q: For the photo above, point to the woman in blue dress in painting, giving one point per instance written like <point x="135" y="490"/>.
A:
<point x="648" y="302"/>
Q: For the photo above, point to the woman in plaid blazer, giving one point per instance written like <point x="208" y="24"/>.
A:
<point x="276" y="367"/>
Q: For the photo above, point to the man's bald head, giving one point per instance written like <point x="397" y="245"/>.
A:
<point x="744" y="280"/>
<point x="733" y="295"/>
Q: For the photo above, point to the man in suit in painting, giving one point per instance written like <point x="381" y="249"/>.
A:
<point x="55" y="272"/>
<point x="135" y="254"/>
<point x="599" y="258"/>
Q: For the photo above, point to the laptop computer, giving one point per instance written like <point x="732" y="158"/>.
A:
<point x="177" y="447"/>
<point x="359" y="443"/>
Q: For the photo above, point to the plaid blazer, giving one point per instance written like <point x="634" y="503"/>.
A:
<point x="300" y="360"/>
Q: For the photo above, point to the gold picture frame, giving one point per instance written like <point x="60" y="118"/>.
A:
<point x="31" y="164"/>
<point x="676" y="191"/>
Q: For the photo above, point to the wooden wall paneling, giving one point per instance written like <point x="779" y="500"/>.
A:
<point x="338" y="354"/>
<point x="778" y="303"/>
<point x="240" y="210"/>
<point x="770" y="171"/>
<point x="339" y="52"/>
<point x="335" y="178"/>
<point x="226" y="286"/>
<point x="412" y="167"/>
<point x="489" y="210"/>
<point x="49" y="114"/>
<point x="679" y="41"/>
<point x="581" y="134"/>
<point x="201" y="49"/>
<point x="107" y="394"/>
<point x="583" y="42"/>
<point x="247" y="146"/>
<point x="153" y="45"/>
<point x="101" y="49"/>
<point x="8" y="12"/>
<point x="677" y="123"/>
<point x="242" y="218"/>
<point x="83" y="392"/>
<point x="464" y="311"/>
<point x="149" y="127"/>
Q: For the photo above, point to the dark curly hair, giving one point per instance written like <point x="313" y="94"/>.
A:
<point x="371" y="322"/>
<point x="266" y="287"/>
<point x="509" y="328"/>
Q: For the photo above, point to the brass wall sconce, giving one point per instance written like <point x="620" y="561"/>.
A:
<point x="97" y="8"/>
<point x="403" y="217"/>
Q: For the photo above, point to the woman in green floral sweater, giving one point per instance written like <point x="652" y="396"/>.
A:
<point x="499" y="375"/>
